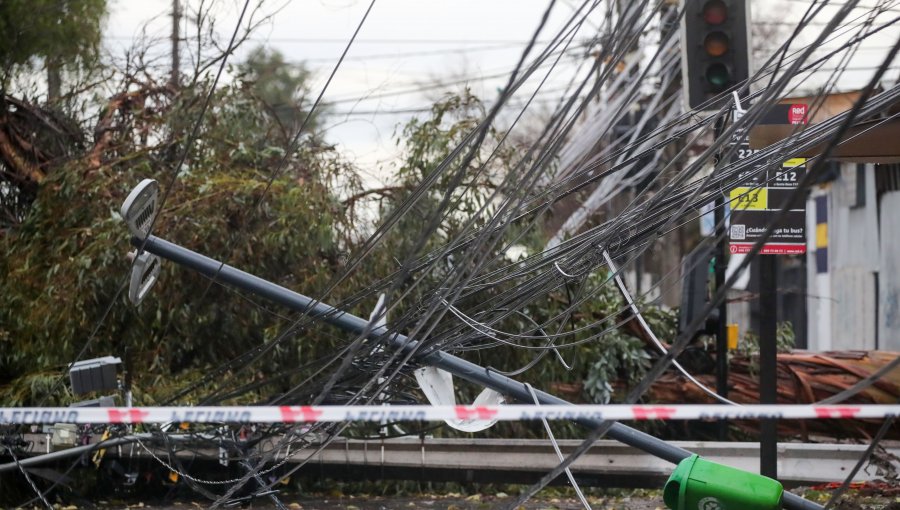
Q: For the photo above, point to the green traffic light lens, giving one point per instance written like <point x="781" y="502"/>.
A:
<point x="718" y="77"/>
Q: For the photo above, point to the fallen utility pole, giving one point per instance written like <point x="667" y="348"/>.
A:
<point x="456" y="366"/>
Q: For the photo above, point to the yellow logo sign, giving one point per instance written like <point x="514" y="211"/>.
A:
<point x="755" y="199"/>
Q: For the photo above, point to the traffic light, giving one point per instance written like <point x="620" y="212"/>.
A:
<point x="695" y="293"/>
<point x="714" y="48"/>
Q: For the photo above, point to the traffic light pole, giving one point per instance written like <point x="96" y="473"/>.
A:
<point x="722" y="326"/>
<point x="452" y="364"/>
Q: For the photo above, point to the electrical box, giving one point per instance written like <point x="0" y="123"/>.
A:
<point x="64" y="435"/>
<point x="98" y="374"/>
<point x="695" y="267"/>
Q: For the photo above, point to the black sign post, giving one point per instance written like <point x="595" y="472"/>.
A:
<point x="768" y="363"/>
<point x="754" y="202"/>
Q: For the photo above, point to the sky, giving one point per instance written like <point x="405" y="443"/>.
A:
<point x="403" y="45"/>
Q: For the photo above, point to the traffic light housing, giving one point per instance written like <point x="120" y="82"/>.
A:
<point x="695" y="292"/>
<point x="714" y="48"/>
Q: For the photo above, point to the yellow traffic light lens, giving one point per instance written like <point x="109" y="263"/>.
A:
<point x="718" y="77"/>
<point x="716" y="44"/>
<point x="715" y="12"/>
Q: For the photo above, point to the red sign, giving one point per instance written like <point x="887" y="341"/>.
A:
<point x="797" y="114"/>
<point x="769" y="249"/>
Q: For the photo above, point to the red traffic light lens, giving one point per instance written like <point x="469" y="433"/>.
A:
<point x="715" y="12"/>
<point x="715" y="44"/>
<point x="718" y="77"/>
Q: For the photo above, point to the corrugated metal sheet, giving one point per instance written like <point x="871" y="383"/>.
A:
<point x="853" y="308"/>
<point x="853" y="261"/>
<point x="889" y="276"/>
<point x="818" y="302"/>
<point x="853" y="305"/>
<point x="853" y="231"/>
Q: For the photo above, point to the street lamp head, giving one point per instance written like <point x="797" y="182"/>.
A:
<point x="139" y="208"/>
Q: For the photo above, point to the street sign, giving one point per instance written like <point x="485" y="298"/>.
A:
<point x="760" y="195"/>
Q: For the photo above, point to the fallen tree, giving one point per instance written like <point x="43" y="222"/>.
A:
<point x="803" y="378"/>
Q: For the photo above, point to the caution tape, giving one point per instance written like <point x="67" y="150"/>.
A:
<point x="315" y="414"/>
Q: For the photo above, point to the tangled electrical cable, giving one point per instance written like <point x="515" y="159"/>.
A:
<point x="462" y="293"/>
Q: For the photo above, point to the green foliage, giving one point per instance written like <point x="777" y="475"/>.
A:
<point x="65" y="263"/>
<point x="426" y="144"/>
<point x="282" y="87"/>
<point x="619" y="358"/>
<point x="784" y="340"/>
<point x="66" y="31"/>
<point x="749" y="345"/>
<point x="22" y="390"/>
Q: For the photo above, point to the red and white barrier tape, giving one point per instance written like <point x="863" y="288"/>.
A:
<point x="311" y="414"/>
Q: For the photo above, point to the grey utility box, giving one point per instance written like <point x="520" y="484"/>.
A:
<point x="64" y="435"/>
<point x="98" y="374"/>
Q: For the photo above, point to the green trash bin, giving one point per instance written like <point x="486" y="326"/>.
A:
<point x="698" y="484"/>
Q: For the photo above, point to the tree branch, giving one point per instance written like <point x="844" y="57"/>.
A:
<point x="388" y="190"/>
